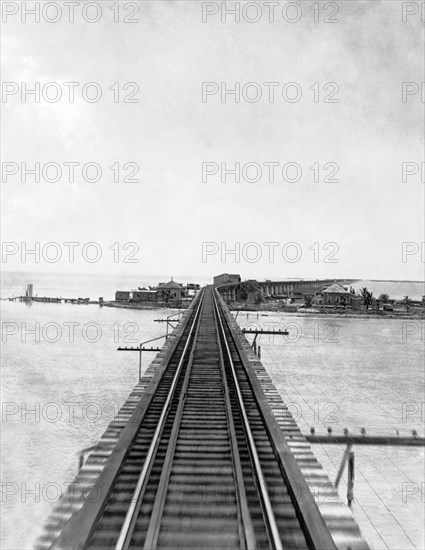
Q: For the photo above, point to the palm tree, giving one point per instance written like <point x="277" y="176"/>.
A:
<point x="407" y="302"/>
<point x="367" y="297"/>
<point x="308" y="301"/>
<point x="258" y="298"/>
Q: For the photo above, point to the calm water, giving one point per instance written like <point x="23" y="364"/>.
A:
<point x="63" y="380"/>
<point x="81" y="284"/>
<point x="354" y="373"/>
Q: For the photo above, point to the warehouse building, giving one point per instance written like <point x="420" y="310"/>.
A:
<point x="226" y="278"/>
<point x="122" y="295"/>
<point x="143" y="295"/>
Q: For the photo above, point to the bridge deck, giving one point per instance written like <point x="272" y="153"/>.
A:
<point x="204" y="454"/>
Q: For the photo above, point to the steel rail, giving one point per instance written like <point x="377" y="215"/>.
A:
<point x="247" y="530"/>
<point x="79" y="528"/>
<point x="271" y="520"/>
<point x="314" y="526"/>
<point x="128" y="525"/>
<point x="152" y="533"/>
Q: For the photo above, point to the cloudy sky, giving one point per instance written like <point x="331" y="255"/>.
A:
<point x="170" y="132"/>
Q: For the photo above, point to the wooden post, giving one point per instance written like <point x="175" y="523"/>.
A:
<point x="140" y="362"/>
<point x="259" y="352"/>
<point x="254" y="345"/>
<point x="350" y="485"/>
<point x="342" y="465"/>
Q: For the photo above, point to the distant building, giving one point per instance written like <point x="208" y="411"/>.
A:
<point x="356" y="302"/>
<point x="226" y="278"/>
<point x="122" y="295"/>
<point x="144" y="295"/>
<point x="300" y="292"/>
<point x="169" y="292"/>
<point x="336" y="295"/>
<point x="193" y="286"/>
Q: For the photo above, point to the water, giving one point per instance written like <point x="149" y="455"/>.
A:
<point x="354" y="373"/>
<point x="81" y="284"/>
<point x="60" y="360"/>
<point x="75" y="380"/>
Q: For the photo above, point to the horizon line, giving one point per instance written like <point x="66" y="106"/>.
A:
<point x="272" y="279"/>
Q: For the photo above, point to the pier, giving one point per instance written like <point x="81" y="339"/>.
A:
<point x="204" y="454"/>
<point x="50" y="300"/>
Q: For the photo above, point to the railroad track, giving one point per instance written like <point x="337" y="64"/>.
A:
<point x="205" y="465"/>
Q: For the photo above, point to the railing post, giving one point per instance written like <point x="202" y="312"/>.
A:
<point x="140" y="362"/>
<point x="350" y="485"/>
<point x="259" y="352"/>
<point x="83" y="454"/>
<point x="342" y="465"/>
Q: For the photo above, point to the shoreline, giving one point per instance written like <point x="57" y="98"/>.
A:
<point x="364" y="314"/>
<point x="141" y="305"/>
<point x="252" y="308"/>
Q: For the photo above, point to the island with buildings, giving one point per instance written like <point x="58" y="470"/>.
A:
<point x="343" y="296"/>
<point x="304" y="296"/>
<point x="170" y="294"/>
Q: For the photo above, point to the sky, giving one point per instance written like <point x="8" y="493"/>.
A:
<point x="176" y="219"/>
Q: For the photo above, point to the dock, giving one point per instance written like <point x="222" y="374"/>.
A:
<point x="50" y="299"/>
<point x="204" y="454"/>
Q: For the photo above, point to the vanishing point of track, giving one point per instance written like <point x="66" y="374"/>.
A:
<point x="203" y="464"/>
